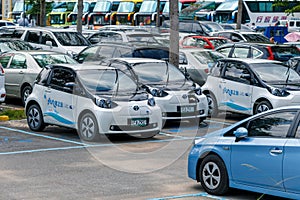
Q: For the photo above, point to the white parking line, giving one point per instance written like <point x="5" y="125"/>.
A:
<point x="40" y="135"/>
<point x="202" y="194"/>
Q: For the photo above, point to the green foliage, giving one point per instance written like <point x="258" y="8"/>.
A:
<point x="14" y="114"/>
<point x="285" y="3"/>
<point x="37" y="5"/>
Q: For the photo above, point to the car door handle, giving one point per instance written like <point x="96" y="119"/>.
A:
<point x="276" y="151"/>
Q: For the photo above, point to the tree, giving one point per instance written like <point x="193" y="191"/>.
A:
<point x="285" y="4"/>
<point x="39" y="9"/>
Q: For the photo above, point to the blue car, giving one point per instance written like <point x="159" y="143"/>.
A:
<point x="259" y="154"/>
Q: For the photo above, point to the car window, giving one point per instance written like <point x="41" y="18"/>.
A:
<point x="33" y="36"/>
<point x="284" y="53"/>
<point x="71" y="39"/>
<point x="59" y="78"/>
<point x="4" y="60"/>
<point x="237" y="72"/>
<point x="217" y="69"/>
<point x="236" y="38"/>
<point x="273" y="125"/>
<point x="123" y="52"/>
<point x="256" y="38"/>
<point x="225" y="51"/>
<point x="240" y="52"/>
<point x="47" y="37"/>
<point x="47" y="59"/>
<point x="18" y="62"/>
<point x="256" y="53"/>
<point x="218" y="42"/>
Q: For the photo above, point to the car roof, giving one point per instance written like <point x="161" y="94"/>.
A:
<point x="81" y="67"/>
<point x="139" y="60"/>
<point x="52" y="29"/>
<point x="251" y="60"/>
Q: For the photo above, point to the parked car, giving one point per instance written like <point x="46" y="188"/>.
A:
<point x="205" y="42"/>
<point x="94" y="100"/>
<point x="178" y="97"/>
<point x="100" y="53"/>
<point x="54" y="39"/>
<point x="244" y="28"/>
<point x="240" y="36"/>
<point x="22" y="67"/>
<point x="196" y="63"/>
<point x="123" y="36"/>
<point x="251" y="86"/>
<point x="6" y="23"/>
<point x="13" y="44"/>
<point x="189" y="26"/>
<point x="256" y="154"/>
<point x="258" y="50"/>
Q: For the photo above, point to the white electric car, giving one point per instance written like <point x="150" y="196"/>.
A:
<point x="94" y="100"/>
<point x="251" y="86"/>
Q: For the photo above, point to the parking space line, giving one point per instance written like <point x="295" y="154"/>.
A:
<point x="202" y="194"/>
<point x="40" y="135"/>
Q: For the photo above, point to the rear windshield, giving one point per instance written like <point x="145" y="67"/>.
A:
<point x="256" y="38"/>
<point x="285" y="53"/>
<point x="71" y="39"/>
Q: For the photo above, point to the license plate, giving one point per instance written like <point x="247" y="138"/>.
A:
<point x="139" y="122"/>
<point x="187" y="109"/>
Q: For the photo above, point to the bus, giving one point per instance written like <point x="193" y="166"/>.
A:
<point x="260" y="13"/>
<point x="126" y="10"/>
<point x="148" y="12"/>
<point x="59" y="14"/>
<point x="88" y="7"/>
<point x="102" y="14"/>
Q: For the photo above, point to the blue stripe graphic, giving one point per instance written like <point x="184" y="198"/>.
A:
<point x="58" y="118"/>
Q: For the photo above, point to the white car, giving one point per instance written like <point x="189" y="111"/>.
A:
<point x="95" y="100"/>
<point x="251" y="86"/>
<point x="55" y="39"/>
<point x="178" y="97"/>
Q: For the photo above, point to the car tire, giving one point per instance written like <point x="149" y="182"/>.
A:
<point x="26" y="91"/>
<point x="212" y="105"/>
<point x="35" y="119"/>
<point x="88" y="127"/>
<point x="262" y="107"/>
<point x="213" y="175"/>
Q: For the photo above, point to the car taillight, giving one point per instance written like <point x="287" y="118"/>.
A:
<point x="128" y="17"/>
<point x="1" y="70"/>
<point x="271" y="56"/>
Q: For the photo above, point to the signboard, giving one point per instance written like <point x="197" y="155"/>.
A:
<point x="6" y="8"/>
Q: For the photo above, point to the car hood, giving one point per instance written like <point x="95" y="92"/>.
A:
<point x="287" y="86"/>
<point x="75" y="49"/>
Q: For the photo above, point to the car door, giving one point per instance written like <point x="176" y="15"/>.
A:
<point x="291" y="163"/>
<point x="257" y="160"/>
<point x="236" y="88"/>
<point x="33" y="37"/>
<point x="59" y="101"/>
<point x="14" y="74"/>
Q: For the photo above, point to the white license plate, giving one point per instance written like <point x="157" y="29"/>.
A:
<point x="139" y="122"/>
<point x="187" y="109"/>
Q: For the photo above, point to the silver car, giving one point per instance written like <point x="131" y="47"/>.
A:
<point x="22" y="67"/>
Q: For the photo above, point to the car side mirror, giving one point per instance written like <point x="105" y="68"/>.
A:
<point x="49" y="43"/>
<point x="246" y="76"/>
<point x="240" y="134"/>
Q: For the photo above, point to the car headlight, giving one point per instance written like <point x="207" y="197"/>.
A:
<point x="278" y="92"/>
<point x="103" y="103"/>
<point x="157" y="92"/>
<point x="151" y="101"/>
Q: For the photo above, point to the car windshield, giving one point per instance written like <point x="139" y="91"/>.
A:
<point x="276" y="73"/>
<point x="47" y="59"/>
<point x="71" y="39"/>
<point x="158" y="73"/>
<point x="14" y="45"/>
<point x="141" y="38"/>
<point x="218" y="42"/>
<point x="256" y="38"/>
<point x="109" y="81"/>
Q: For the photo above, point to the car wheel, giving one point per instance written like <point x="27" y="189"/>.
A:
<point x="35" y="119"/>
<point x="25" y="93"/>
<point x="213" y="175"/>
<point x="212" y="105"/>
<point x="88" y="127"/>
<point x="262" y="107"/>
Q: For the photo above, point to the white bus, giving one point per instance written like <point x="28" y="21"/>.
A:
<point x="259" y="12"/>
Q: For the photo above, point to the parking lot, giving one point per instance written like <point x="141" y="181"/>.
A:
<point x="56" y="164"/>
